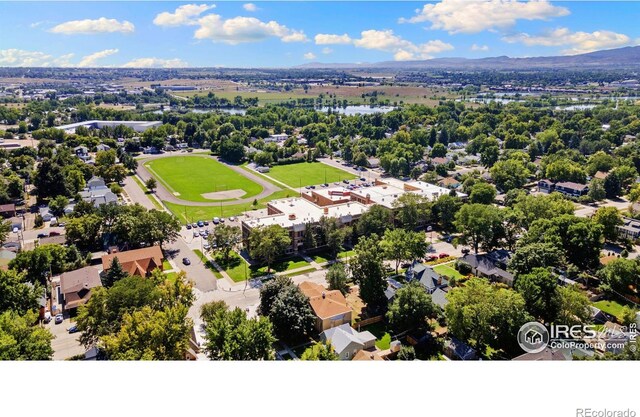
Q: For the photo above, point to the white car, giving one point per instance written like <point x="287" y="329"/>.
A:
<point x="206" y="246"/>
<point x="232" y="219"/>
<point x="59" y="318"/>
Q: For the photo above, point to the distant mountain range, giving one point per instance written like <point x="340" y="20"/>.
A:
<point x="627" y="57"/>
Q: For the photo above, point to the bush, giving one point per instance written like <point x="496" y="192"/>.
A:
<point x="624" y="253"/>
<point x="116" y="189"/>
<point x="39" y="221"/>
<point x="463" y="267"/>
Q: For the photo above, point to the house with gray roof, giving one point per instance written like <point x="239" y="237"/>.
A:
<point x="439" y="298"/>
<point x="492" y="265"/>
<point x="97" y="193"/>
<point x="346" y="341"/>
<point x="425" y="274"/>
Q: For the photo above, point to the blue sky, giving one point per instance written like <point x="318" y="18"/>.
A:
<point x="278" y="34"/>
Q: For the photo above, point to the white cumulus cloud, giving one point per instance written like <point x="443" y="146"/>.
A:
<point x="328" y="39"/>
<point x="574" y="42"/>
<point x="309" y="55"/>
<point x="244" y="29"/>
<point x="155" y="63"/>
<point x="479" y="48"/>
<point x="91" y="60"/>
<point x="402" y="49"/>
<point x="326" y="50"/>
<point x="250" y="7"/>
<point x="93" y="26"/>
<point x="464" y="16"/>
<point x="184" y="15"/>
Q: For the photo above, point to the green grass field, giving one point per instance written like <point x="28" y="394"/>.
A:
<point x="448" y="271"/>
<point x="195" y="213"/>
<point x="188" y="177"/>
<point x="610" y="307"/>
<point x="237" y="267"/>
<point x="308" y="173"/>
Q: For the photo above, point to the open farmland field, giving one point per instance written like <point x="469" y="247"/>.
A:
<point x="308" y="173"/>
<point x="200" y="178"/>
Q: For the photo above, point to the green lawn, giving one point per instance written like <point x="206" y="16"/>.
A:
<point x="301" y="272"/>
<point x="166" y="265"/>
<point x="188" y="177"/>
<point x="610" y="307"/>
<point x="237" y="268"/>
<point x="194" y="213"/>
<point x="172" y="276"/>
<point x="448" y="271"/>
<point x="380" y="331"/>
<point x="308" y="173"/>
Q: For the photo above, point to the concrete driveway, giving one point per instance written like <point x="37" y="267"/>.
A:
<point x="65" y="344"/>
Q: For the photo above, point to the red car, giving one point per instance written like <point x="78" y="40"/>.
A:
<point x="54" y="233"/>
<point x="431" y="258"/>
<point x="443" y="255"/>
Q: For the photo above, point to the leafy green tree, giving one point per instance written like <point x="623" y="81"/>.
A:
<point x="574" y="306"/>
<point x="268" y="243"/>
<point x="367" y="270"/>
<point x="319" y="352"/>
<point x="209" y="310"/>
<point x="539" y="288"/>
<point x="596" y="190"/>
<point x="114" y="274"/>
<point x="400" y="245"/>
<point x="531" y="207"/>
<point x="535" y="255"/>
<point x="479" y="224"/>
<point x="445" y="209"/>
<point x="510" y="174"/>
<point x="5" y="228"/>
<point x="151" y="334"/>
<point x="58" y="204"/>
<point x="269" y="292"/>
<point x="486" y="315"/>
<point x="411" y="307"/>
<point x="333" y="234"/>
<point x="225" y="239"/>
<point x="375" y="220"/>
<point x="151" y="184"/>
<point x="620" y="276"/>
<point x="291" y="315"/>
<point x="337" y="278"/>
<point x="609" y="218"/>
<point x="628" y="315"/>
<point x="21" y="340"/>
<point x="232" y="336"/>
<point x="482" y="193"/>
<point x="407" y="353"/>
<point x="18" y="294"/>
<point x="49" y="179"/>
<point x="103" y="313"/>
<point x="412" y="210"/>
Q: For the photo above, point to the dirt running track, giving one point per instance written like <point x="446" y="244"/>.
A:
<point x="166" y="195"/>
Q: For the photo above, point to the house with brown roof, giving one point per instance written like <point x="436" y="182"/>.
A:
<point x="76" y="286"/>
<point x="330" y="307"/>
<point x="8" y="210"/>
<point x="139" y="262"/>
<point x="365" y="355"/>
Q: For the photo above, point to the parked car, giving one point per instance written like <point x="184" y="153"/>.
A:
<point x="221" y="220"/>
<point x="72" y="329"/>
<point x="59" y="318"/>
<point x="206" y="222"/>
<point x="465" y="250"/>
<point x="216" y="220"/>
<point x="206" y="246"/>
<point x="313" y="187"/>
<point x="188" y="227"/>
<point x="430" y="258"/>
<point x="62" y="224"/>
<point x="41" y="235"/>
<point x="363" y="179"/>
<point x="54" y="233"/>
<point x="200" y="223"/>
<point x="47" y="316"/>
<point x="194" y="225"/>
<point x="186" y="261"/>
<point x="15" y="230"/>
<point x="195" y="233"/>
<point x="345" y="181"/>
<point x="232" y="219"/>
<point x="443" y="255"/>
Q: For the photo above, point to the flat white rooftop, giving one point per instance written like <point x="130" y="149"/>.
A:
<point x="137" y="125"/>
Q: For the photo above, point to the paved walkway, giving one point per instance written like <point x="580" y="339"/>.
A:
<point x="165" y="195"/>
